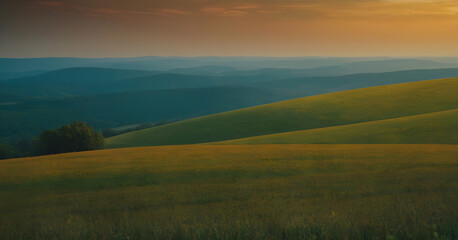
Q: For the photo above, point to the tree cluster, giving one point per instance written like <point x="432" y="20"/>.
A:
<point x="74" y="137"/>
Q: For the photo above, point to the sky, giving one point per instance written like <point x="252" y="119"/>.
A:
<point x="127" y="28"/>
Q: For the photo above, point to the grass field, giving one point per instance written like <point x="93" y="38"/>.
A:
<point x="341" y="108"/>
<point x="234" y="192"/>
<point x="438" y="127"/>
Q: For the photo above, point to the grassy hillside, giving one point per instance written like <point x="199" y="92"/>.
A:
<point x="234" y="192"/>
<point x="348" y="107"/>
<point x="103" y="111"/>
<point x="437" y="127"/>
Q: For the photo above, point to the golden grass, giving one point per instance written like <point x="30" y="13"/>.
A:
<point x="234" y="192"/>
<point x="438" y="127"/>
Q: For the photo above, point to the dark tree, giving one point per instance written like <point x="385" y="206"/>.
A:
<point x="74" y="137"/>
<point x="48" y="142"/>
<point x="7" y="151"/>
<point x="24" y="146"/>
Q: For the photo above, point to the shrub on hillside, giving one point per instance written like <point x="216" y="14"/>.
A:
<point x="74" y="137"/>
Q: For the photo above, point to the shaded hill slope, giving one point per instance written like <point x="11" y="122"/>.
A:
<point x="68" y="82"/>
<point x="27" y="119"/>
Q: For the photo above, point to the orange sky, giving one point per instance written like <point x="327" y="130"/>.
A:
<point x="119" y="28"/>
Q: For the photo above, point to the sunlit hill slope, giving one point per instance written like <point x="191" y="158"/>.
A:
<point x="341" y="108"/>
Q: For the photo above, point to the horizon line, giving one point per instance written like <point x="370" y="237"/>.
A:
<point x="234" y="56"/>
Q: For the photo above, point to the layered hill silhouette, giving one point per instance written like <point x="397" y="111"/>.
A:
<point x="197" y="64"/>
<point x="68" y="82"/>
<point x="341" y="108"/>
<point x="73" y="82"/>
<point x="109" y="98"/>
<point x="347" y="68"/>
<point x="320" y="85"/>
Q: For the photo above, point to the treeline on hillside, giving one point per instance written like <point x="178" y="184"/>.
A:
<point x="69" y="138"/>
<point x="73" y="137"/>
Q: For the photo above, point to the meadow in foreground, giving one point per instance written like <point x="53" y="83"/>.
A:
<point x="234" y="192"/>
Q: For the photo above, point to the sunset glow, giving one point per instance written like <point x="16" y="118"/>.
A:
<point x="30" y="28"/>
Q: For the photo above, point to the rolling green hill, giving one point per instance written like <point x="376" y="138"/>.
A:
<point x="348" y="107"/>
<point x="438" y="127"/>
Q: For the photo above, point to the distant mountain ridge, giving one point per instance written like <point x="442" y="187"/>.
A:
<point x="69" y="81"/>
<point x="241" y="63"/>
<point x="92" y="81"/>
<point x="320" y="85"/>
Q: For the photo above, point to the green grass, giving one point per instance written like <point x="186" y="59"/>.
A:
<point x="439" y="127"/>
<point x="341" y="108"/>
<point x="234" y="192"/>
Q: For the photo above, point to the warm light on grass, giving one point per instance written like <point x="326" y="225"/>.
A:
<point x="234" y="192"/>
<point x="437" y="127"/>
